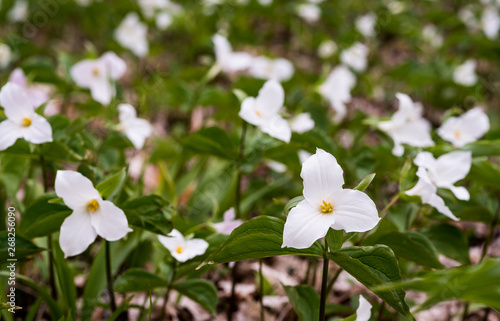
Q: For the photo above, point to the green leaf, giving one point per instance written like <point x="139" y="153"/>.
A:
<point x="111" y="186"/>
<point x="449" y="240"/>
<point x="138" y="280"/>
<point x="305" y="301"/>
<point x="58" y="151"/>
<point x="22" y="247"/>
<point x="212" y="141"/>
<point x="484" y="172"/>
<point x="374" y="266"/>
<point x="65" y="281"/>
<point x="484" y="148"/>
<point x="292" y="203"/>
<point x="201" y="291"/>
<point x="411" y="246"/>
<point x="476" y="283"/>
<point x="260" y="237"/>
<point x="149" y="212"/>
<point x="334" y="239"/>
<point x="365" y="182"/>
<point x="43" y="217"/>
<point x="6" y="306"/>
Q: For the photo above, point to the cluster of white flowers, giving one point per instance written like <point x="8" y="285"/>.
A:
<point x="132" y="34"/>
<point x="261" y="67"/>
<point x="163" y="11"/>
<point x="488" y="22"/>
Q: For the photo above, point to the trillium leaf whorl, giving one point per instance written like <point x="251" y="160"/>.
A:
<point x="91" y="215"/>
<point x="326" y="204"/>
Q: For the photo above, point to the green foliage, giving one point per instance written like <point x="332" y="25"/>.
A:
<point x="374" y="266"/>
<point x="201" y="291"/>
<point x="305" y="301"/>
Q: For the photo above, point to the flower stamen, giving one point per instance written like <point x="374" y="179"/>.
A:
<point x="457" y="134"/>
<point x="95" y="72"/>
<point x="258" y="113"/>
<point x="179" y="249"/>
<point x="93" y="206"/>
<point x="326" y="207"/>
<point x="26" y="122"/>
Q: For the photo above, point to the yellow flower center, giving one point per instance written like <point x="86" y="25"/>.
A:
<point x="326" y="207"/>
<point x="95" y="72"/>
<point x="93" y="206"/>
<point x="26" y="122"/>
<point x="457" y="134"/>
<point x="258" y="113"/>
<point x="179" y="249"/>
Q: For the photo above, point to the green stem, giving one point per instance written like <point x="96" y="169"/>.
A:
<point x="490" y="234"/>
<point x="324" y="293"/>
<point x="232" y="299"/>
<point x="261" y="291"/>
<point x="240" y="174"/>
<point x="167" y="294"/>
<point x="466" y="311"/>
<point x="108" y="276"/>
<point x="52" y="279"/>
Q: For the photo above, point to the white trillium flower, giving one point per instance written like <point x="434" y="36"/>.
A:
<point x="37" y="94"/>
<point x="91" y="215"/>
<point x="326" y="204"/>
<point x="263" y="111"/>
<point x="366" y="24"/>
<point x="132" y="34"/>
<point x="265" y="2"/>
<point x="227" y="59"/>
<point x="5" y="55"/>
<point x="490" y="22"/>
<point x="275" y="166"/>
<point x="407" y="126"/>
<point x="302" y="123"/>
<point x="265" y="68"/>
<point x="432" y="36"/>
<point x="229" y="223"/>
<point x="355" y="57"/>
<point x="310" y="12"/>
<point x="149" y="7"/>
<point x="466" y="128"/>
<point x="303" y="155"/>
<point x="468" y="18"/>
<point x="136" y="129"/>
<point x="180" y="248"/>
<point x="363" y="312"/>
<point x="442" y="172"/>
<point x="22" y="121"/>
<point x="337" y="90"/>
<point x="97" y="75"/>
<point x="465" y="74"/>
<point x="19" y="12"/>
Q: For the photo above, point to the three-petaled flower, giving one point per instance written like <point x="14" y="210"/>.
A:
<point x="229" y="223"/>
<point x="182" y="249"/>
<point x="98" y="74"/>
<point x="91" y="215"/>
<point x="443" y="172"/>
<point x="263" y="111"/>
<point x="466" y="128"/>
<point x="136" y="129"/>
<point x="326" y="204"/>
<point x="22" y="120"/>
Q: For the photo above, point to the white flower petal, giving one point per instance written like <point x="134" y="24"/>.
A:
<point x="83" y="72"/>
<point x="195" y="247"/>
<point x="302" y="123"/>
<point x="76" y="233"/>
<point x="39" y="131"/>
<point x="304" y="225"/>
<point x="249" y="113"/>
<point x="270" y="99"/>
<point x="363" y="312"/>
<point x="354" y="211"/>
<point x="75" y="189"/>
<point x="115" y="66"/>
<point x="127" y="112"/>
<point x="460" y="192"/>
<point x="109" y="221"/>
<point x="9" y="133"/>
<point x="137" y="131"/>
<point x="355" y="57"/>
<point x="465" y="74"/>
<point x="277" y="127"/>
<point x="102" y="91"/>
<point x="322" y="176"/>
<point x="15" y="103"/>
<point x="450" y="168"/>
<point x="438" y="203"/>
<point x="475" y="123"/>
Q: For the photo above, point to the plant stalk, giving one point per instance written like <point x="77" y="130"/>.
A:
<point x="324" y="293"/>
<point x="241" y="155"/>
<point x="167" y="294"/>
<point x="261" y="291"/>
<point x="109" y="278"/>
